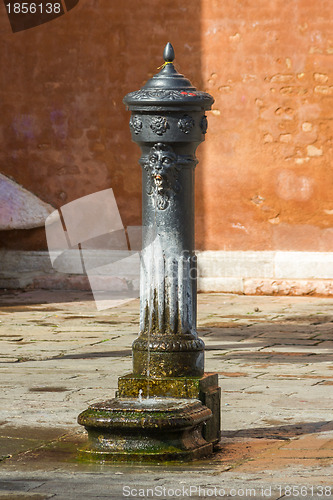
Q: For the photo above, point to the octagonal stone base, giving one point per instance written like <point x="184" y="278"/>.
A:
<point x="157" y="429"/>
<point x="204" y="388"/>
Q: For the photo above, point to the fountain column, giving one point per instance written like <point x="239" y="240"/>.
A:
<point x="168" y="122"/>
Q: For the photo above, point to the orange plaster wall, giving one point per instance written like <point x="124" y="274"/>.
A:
<point x="264" y="180"/>
<point x="268" y="156"/>
<point x="64" y="130"/>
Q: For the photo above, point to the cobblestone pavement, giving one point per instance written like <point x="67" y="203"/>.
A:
<point x="274" y="360"/>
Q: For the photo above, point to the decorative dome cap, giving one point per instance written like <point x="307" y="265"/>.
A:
<point x="168" y="88"/>
<point x="169" y="78"/>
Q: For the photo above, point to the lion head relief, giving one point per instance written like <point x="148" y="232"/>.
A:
<point x="163" y="171"/>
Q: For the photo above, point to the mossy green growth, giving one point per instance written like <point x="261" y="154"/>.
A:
<point x="180" y="387"/>
<point x="204" y="388"/>
<point x="130" y="386"/>
<point x="155" y="429"/>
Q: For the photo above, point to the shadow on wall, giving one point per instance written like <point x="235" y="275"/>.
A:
<point x="64" y="127"/>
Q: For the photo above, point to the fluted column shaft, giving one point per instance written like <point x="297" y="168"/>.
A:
<point x="168" y="341"/>
<point x="168" y="122"/>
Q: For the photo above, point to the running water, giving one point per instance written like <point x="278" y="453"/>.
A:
<point x="155" y="271"/>
<point x="140" y="396"/>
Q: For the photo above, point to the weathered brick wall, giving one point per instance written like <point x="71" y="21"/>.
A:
<point x="264" y="180"/>
<point x="64" y="129"/>
<point x="268" y="157"/>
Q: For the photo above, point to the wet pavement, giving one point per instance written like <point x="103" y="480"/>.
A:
<point x="274" y="360"/>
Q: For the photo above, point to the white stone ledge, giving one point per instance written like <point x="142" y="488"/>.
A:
<point x="304" y="265"/>
<point x="235" y="264"/>
<point x="280" y="265"/>
<point x="16" y="261"/>
<point x="291" y="273"/>
<point x="227" y="285"/>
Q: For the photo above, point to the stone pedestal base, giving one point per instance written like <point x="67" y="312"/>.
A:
<point x="127" y="429"/>
<point x="204" y="388"/>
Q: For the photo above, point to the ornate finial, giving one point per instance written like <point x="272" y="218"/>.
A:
<point x="169" y="53"/>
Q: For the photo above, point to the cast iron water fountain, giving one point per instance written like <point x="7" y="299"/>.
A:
<point x="168" y="408"/>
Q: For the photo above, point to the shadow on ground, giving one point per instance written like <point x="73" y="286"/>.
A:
<point x="282" y="431"/>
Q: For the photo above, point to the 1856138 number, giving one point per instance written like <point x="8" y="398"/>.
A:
<point x="33" y="8"/>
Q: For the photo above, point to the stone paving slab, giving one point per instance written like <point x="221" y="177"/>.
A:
<point x="274" y="360"/>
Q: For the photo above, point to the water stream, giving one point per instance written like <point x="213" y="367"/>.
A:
<point x="155" y="232"/>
